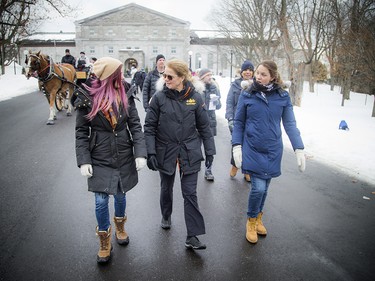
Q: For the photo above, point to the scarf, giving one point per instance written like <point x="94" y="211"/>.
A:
<point x="110" y="114"/>
<point x="263" y="88"/>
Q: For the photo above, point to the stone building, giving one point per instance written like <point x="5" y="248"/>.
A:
<point x="136" y="35"/>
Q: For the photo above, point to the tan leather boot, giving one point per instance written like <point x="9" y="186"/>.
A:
<point x="251" y="230"/>
<point x="261" y="230"/>
<point x="122" y="237"/>
<point x="233" y="171"/>
<point x="105" y="247"/>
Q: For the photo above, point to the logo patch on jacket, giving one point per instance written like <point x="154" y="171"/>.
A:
<point x="191" y="102"/>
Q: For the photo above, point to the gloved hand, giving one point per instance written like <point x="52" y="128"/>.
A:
<point x="140" y="163"/>
<point x="152" y="162"/>
<point x="209" y="160"/>
<point x="230" y="125"/>
<point x="86" y="170"/>
<point x="301" y="159"/>
<point x="237" y="155"/>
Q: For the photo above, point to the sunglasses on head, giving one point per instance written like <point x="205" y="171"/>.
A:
<point x="169" y="77"/>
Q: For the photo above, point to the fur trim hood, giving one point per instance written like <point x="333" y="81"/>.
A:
<point x="197" y="84"/>
<point x="245" y="84"/>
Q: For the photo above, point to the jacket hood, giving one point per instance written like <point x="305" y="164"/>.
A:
<point x="197" y="84"/>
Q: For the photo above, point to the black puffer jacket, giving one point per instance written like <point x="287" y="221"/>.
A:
<point x="111" y="152"/>
<point x="175" y="126"/>
<point x="212" y="89"/>
<point x="149" y="87"/>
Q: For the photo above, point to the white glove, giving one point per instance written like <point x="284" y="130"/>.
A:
<point x="86" y="170"/>
<point x="140" y="163"/>
<point x="237" y="156"/>
<point x="301" y="159"/>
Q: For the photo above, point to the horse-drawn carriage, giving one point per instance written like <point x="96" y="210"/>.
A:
<point x="57" y="81"/>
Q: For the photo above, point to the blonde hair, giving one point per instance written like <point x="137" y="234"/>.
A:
<point x="272" y="68"/>
<point x="180" y="67"/>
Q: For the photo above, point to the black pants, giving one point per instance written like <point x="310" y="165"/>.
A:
<point x="193" y="218"/>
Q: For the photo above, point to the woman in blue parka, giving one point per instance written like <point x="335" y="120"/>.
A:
<point x="257" y="139"/>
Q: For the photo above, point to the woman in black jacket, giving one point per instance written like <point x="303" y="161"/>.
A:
<point x="110" y="147"/>
<point x="175" y="126"/>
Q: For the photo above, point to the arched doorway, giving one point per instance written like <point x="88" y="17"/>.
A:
<point x="129" y="63"/>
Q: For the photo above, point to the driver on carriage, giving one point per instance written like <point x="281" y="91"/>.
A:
<point x="82" y="63"/>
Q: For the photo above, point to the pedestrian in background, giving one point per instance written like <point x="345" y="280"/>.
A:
<point x="82" y="62"/>
<point x="211" y="98"/>
<point x="68" y="58"/>
<point x="110" y="147"/>
<point x="247" y="72"/>
<point x="149" y="85"/>
<point x="257" y="139"/>
<point x="176" y="124"/>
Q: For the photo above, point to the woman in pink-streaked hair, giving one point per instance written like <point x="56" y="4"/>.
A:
<point x="110" y="147"/>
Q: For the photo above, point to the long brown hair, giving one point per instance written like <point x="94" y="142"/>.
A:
<point x="272" y="68"/>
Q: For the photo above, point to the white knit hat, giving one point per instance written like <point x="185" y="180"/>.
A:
<point x="104" y="67"/>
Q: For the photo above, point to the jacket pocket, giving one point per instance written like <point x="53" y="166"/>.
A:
<point x="92" y="141"/>
<point x="194" y="152"/>
<point x="161" y="148"/>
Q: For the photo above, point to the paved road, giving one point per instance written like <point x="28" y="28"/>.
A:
<point x="320" y="227"/>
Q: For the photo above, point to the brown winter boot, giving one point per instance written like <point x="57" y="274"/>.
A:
<point x="122" y="237"/>
<point x="251" y="230"/>
<point x="105" y="248"/>
<point x="233" y="171"/>
<point x="261" y="230"/>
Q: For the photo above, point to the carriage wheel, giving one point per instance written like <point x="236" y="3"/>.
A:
<point x="59" y="101"/>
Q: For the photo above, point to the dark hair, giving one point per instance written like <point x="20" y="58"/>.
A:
<point x="272" y="68"/>
<point x="67" y="51"/>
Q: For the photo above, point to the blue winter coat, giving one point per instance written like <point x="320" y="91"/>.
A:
<point x="257" y="128"/>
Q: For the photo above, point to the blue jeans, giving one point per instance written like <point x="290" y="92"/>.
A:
<point x="102" y="210"/>
<point x="257" y="196"/>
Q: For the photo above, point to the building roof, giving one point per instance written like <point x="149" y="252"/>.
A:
<point x="129" y="6"/>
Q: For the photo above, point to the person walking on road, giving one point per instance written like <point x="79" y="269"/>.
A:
<point x="176" y="124"/>
<point x="149" y="85"/>
<point x="211" y="98"/>
<point x="257" y="139"/>
<point x="247" y="72"/>
<point x="110" y="147"/>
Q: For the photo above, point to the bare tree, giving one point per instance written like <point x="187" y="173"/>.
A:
<point x="307" y="23"/>
<point x="18" y="18"/>
<point x="250" y="25"/>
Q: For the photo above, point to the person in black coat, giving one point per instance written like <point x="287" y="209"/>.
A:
<point x="110" y="147"/>
<point x="149" y="84"/>
<point x="176" y="125"/>
<point x="211" y="98"/>
<point x="68" y="58"/>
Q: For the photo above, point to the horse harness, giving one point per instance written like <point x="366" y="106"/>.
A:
<point x="51" y="73"/>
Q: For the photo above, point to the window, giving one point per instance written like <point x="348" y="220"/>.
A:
<point x="155" y="50"/>
<point x="110" y="49"/>
<point x="173" y="50"/>
<point x="92" y="50"/>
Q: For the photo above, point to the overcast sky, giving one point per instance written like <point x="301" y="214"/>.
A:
<point x="194" y="11"/>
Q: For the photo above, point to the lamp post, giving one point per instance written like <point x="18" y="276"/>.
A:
<point x="190" y="54"/>
<point x="231" y="63"/>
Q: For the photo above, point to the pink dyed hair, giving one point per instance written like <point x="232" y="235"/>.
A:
<point x="104" y="96"/>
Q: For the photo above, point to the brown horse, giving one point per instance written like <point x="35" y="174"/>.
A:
<point x="58" y="81"/>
